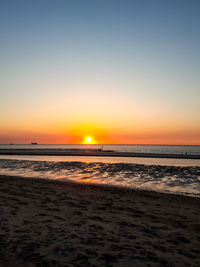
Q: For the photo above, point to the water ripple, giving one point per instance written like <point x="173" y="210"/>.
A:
<point x="176" y="179"/>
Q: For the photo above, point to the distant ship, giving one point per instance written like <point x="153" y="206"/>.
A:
<point x="34" y="143"/>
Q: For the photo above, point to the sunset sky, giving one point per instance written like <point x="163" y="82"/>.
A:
<point x="120" y="71"/>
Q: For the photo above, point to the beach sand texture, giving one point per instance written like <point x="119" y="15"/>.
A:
<point x="52" y="223"/>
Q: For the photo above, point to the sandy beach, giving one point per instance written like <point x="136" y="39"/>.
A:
<point x="52" y="223"/>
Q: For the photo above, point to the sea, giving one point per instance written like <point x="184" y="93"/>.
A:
<point x="171" y="149"/>
<point x="176" y="176"/>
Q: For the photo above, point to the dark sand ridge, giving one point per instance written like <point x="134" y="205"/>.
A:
<point x="104" y="153"/>
<point x="52" y="223"/>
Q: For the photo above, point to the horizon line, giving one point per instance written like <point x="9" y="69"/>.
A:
<point x="104" y="144"/>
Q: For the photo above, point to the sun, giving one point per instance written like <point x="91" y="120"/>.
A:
<point x="89" y="140"/>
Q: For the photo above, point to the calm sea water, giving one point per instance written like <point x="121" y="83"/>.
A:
<point x="193" y="150"/>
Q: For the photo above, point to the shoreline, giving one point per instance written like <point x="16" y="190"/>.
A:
<point x="104" y="187"/>
<point x="56" y="152"/>
<point x="126" y="190"/>
<point x="56" y="223"/>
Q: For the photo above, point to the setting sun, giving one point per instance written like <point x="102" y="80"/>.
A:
<point x="89" y="140"/>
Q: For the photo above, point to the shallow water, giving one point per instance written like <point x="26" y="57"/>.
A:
<point x="174" y="179"/>
<point x="87" y="159"/>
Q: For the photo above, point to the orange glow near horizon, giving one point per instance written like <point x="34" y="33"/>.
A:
<point x="90" y="133"/>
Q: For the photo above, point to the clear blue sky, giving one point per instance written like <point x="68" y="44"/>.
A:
<point x="128" y="68"/>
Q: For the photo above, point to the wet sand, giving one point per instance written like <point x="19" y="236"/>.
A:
<point x="104" y="153"/>
<point x="52" y="223"/>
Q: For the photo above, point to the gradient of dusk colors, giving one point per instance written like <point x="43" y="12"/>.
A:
<point x="120" y="71"/>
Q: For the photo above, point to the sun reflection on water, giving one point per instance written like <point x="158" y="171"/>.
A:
<point x="87" y="180"/>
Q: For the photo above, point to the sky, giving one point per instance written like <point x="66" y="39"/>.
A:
<point x="119" y="71"/>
